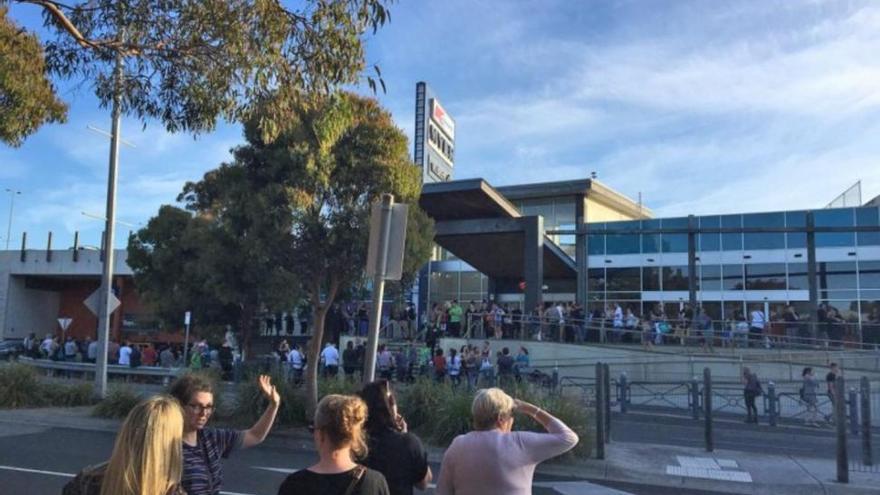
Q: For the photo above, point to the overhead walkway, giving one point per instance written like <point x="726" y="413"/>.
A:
<point x="477" y="224"/>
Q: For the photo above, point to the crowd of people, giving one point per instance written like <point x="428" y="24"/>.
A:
<point x="166" y="447"/>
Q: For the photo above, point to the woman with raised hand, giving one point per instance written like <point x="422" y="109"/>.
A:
<point x="495" y="460"/>
<point x="393" y="451"/>
<point x="147" y="456"/>
<point x="339" y="439"/>
<point x="203" y="447"/>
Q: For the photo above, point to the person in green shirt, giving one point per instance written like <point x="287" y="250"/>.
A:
<point x="455" y="313"/>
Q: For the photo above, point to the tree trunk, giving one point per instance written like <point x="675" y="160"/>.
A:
<point x="320" y="313"/>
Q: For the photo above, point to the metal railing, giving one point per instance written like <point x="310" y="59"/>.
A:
<point x="79" y="369"/>
<point x="663" y="332"/>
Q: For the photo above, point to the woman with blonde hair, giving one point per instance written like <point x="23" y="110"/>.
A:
<point x="147" y="457"/>
<point x="513" y="455"/>
<point x="339" y="439"/>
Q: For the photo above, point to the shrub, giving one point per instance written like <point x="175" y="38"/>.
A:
<point x="20" y="387"/>
<point x="81" y="394"/>
<point x="250" y="403"/>
<point x="118" y="403"/>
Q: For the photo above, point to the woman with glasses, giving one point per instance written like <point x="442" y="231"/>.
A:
<point x="203" y="447"/>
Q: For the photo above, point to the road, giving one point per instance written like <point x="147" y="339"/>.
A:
<point x="38" y="460"/>
<point x="731" y="434"/>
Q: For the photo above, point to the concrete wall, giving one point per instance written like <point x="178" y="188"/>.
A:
<point x="29" y="310"/>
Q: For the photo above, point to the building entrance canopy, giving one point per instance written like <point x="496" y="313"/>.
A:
<point x="482" y="228"/>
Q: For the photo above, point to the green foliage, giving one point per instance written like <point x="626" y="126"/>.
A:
<point x="21" y="386"/>
<point x="27" y="97"/>
<point x="189" y="63"/>
<point x="118" y="403"/>
<point x="250" y="403"/>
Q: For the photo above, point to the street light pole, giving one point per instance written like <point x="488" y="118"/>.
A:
<point x="107" y="273"/>
<point x="12" y="194"/>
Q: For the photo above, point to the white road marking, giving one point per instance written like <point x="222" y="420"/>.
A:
<point x="276" y="470"/>
<point x="37" y="471"/>
<point x="708" y="468"/>
<point x="71" y="475"/>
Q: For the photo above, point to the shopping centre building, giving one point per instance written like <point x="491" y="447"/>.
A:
<point x="581" y="241"/>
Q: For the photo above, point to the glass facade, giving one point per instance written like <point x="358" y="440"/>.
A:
<point x="735" y="272"/>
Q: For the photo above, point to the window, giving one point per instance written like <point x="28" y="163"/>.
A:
<point x="675" y="278"/>
<point x="622" y="244"/>
<point x="834" y="217"/>
<point x="836" y="276"/>
<point x="596" y="279"/>
<point x="731" y="242"/>
<point x="650" y="242"/>
<point x="623" y="279"/>
<point x="797" y="276"/>
<point x="868" y="217"/>
<point x="650" y="278"/>
<point x="732" y="277"/>
<point x="675" y="243"/>
<point x="765" y="276"/>
<point x="734" y="310"/>
<point x="709" y="242"/>
<point x="596" y="244"/>
<point x="869" y="275"/>
<point x="774" y="240"/>
<point x="796" y="219"/>
<point x="710" y="277"/>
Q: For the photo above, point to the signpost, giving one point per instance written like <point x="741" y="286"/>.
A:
<point x="384" y="262"/>
<point x="186" y="319"/>
<point x="64" y="323"/>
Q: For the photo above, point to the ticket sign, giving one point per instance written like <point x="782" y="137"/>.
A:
<point x="439" y="115"/>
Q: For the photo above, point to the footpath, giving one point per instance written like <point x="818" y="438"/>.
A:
<point x="632" y="464"/>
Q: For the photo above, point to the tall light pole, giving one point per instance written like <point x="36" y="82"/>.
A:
<point x="12" y="194"/>
<point x="107" y="273"/>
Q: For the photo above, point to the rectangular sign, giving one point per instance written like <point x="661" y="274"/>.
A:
<point x="396" y="241"/>
<point x="439" y="115"/>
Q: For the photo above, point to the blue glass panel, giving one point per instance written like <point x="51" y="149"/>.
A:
<point x="868" y="217"/>
<point x="628" y="226"/>
<point x="675" y="243"/>
<point x="733" y="277"/>
<point x="796" y="219"/>
<point x="836" y="275"/>
<point x="650" y="278"/>
<point x="764" y="241"/>
<point x="622" y="244"/>
<point x="835" y="217"/>
<point x="596" y="244"/>
<point x="650" y="242"/>
<point x="869" y="274"/>
<point x="709" y="242"/>
<point x="731" y="242"/>
<point x="710" y="277"/>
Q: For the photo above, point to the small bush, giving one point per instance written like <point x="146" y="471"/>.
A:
<point x="118" y="403"/>
<point x="81" y="394"/>
<point x="20" y="387"/>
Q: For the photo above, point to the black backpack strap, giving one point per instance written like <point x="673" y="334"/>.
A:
<point x="358" y="474"/>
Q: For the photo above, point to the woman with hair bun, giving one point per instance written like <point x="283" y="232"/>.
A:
<point x="339" y="440"/>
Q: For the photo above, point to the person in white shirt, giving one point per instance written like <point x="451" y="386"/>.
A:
<point x="330" y="356"/>
<point x="756" y="327"/>
<point x="125" y="355"/>
<point x="297" y="362"/>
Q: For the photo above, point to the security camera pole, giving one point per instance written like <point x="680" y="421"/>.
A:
<point x="384" y="262"/>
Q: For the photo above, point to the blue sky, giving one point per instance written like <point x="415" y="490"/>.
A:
<point x="703" y="107"/>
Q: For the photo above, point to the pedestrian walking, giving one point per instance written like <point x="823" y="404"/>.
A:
<point x="147" y="457"/>
<point x="330" y="357"/>
<point x="393" y="451"/>
<point x="203" y="446"/>
<point x="808" y="394"/>
<point x="338" y="433"/>
<point x="495" y="460"/>
<point x="751" y="391"/>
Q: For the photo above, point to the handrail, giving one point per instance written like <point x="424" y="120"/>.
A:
<point x="90" y="368"/>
